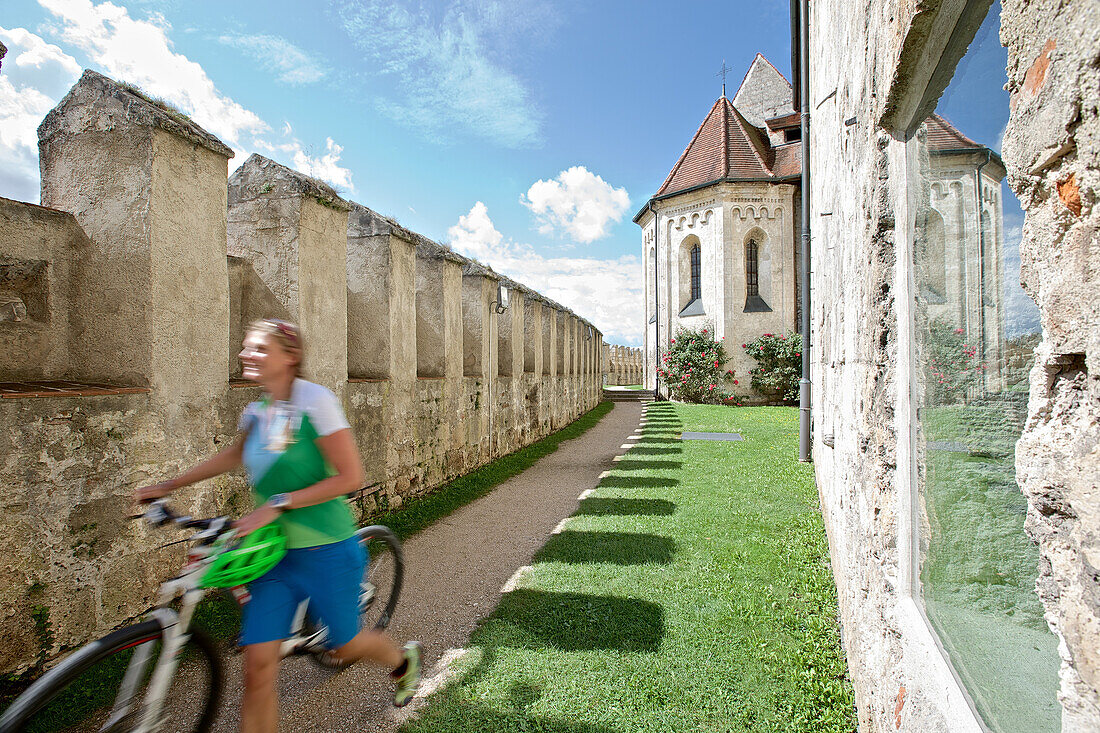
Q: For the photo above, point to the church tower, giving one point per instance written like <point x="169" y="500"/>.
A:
<point x="720" y="245"/>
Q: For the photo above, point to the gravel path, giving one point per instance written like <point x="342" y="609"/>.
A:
<point x="454" y="573"/>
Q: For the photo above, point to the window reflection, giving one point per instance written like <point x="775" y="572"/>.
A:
<point x="976" y="331"/>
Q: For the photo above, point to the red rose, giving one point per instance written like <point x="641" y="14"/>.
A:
<point x="736" y="382"/>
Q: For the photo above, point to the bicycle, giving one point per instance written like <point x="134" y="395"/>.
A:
<point x="75" y="695"/>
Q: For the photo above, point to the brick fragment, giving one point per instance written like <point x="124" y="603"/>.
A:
<point x="1070" y="194"/>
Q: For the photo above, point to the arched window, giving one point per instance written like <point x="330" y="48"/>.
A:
<point x="752" y="269"/>
<point x="696" y="286"/>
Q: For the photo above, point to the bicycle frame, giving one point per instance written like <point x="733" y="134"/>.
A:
<point x="172" y="630"/>
<point x="174" y="635"/>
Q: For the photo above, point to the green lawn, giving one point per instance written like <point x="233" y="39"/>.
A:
<point x="690" y="592"/>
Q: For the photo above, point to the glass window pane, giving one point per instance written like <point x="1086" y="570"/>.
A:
<point x="696" y="285"/>
<point x="752" y="275"/>
<point x="976" y="330"/>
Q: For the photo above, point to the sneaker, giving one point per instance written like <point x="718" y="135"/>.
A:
<point x="408" y="682"/>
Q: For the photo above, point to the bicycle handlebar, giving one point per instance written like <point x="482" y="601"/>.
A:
<point x="159" y="514"/>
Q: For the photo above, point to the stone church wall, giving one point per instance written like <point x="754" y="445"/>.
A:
<point x="875" y="70"/>
<point x="149" y="284"/>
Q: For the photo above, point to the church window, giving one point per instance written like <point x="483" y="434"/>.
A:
<point x="696" y="285"/>
<point x="752" y="269"/>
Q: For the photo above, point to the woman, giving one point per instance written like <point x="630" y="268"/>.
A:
<point x="297" y="448"/>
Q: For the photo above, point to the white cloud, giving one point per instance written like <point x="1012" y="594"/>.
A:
<point x="443" y="69"/>
<point x="140" y="52"/>
<point x="606" y="292"/>
<point x="324" y="166"/>
<point x="36" y="74"/>
<point x="577" y="203"/>
<point x="275" y="53"/>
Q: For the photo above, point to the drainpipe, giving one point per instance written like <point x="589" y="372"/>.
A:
<point x="656" y="311"/>
<point x="981" y="260"/>
<point x="804" y="445"/>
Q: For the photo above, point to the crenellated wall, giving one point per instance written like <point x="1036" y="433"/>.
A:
<point x="131" y="290"/>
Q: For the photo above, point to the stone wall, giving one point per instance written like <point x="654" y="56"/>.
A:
<point x="1052" y="151"/>
<point x="151" y="281"/>
<point x="877" y="71"/>
<point x="622" y="365"/>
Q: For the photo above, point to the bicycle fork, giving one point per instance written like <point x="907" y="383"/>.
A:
<point x="173" y="637"/>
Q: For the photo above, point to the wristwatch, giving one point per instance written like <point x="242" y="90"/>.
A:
<point x="279" y="502"/>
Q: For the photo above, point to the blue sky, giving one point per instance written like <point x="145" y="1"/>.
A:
<point x="525" y="133"/>
<point x="977" y="104"/>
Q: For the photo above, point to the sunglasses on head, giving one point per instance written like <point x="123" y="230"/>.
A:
<point x="286" y="330"/>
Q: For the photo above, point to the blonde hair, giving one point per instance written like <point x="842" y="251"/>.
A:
<point x="288" y="336"/>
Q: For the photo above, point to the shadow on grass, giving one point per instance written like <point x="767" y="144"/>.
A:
<point x="617" y="548"/>
<point x="466" y="717"/>
<point x="644" y="450"/>
<point x="535" y="619"/>
<point x="642" y="464"/>
<point x="624" y="507"/>
<point x="638" y="482"/>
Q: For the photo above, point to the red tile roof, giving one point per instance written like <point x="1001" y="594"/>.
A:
<point x="942" y="135"/>
<point x="788" y="160"/>
<point x="728" y="147"/>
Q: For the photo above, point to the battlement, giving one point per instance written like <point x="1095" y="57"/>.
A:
<point x="124" y="299"/>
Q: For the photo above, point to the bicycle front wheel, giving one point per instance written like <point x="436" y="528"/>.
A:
<point x="79" y="695"/>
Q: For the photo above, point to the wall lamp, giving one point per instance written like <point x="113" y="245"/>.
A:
<point x="501" y="303"/>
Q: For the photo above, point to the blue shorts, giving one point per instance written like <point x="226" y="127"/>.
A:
<point x="327" y="575"/>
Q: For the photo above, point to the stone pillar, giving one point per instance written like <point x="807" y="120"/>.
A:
<point x="381" y="299"/>
<point x="549" y="343"/>
<point x="566" y="344"/>
<point x="430" y="325"/>
<point x="518" y="317"/>
<point x="478" y="291"/>
<point x="452" y="321"/>
<point x="294" y="231"/>
<point x="533" y="337"/>
<point x="506" y="336"/>
<point x="152" y="290"/>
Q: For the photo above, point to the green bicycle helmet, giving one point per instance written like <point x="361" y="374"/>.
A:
<point x="239" y="561"/>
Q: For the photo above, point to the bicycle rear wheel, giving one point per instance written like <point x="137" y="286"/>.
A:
<point x="378" y="591"/>
<point x="382" y="582"/>
<point x="78" y="694"/>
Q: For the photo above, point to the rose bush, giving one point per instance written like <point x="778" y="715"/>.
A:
<point x="953" y="368"/>
<point x="779" y="364"/>
<point x="693" y="368"/>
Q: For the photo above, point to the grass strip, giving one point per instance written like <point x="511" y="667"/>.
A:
<point x="690" y="592"/>
<point x="424" y="511"/>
